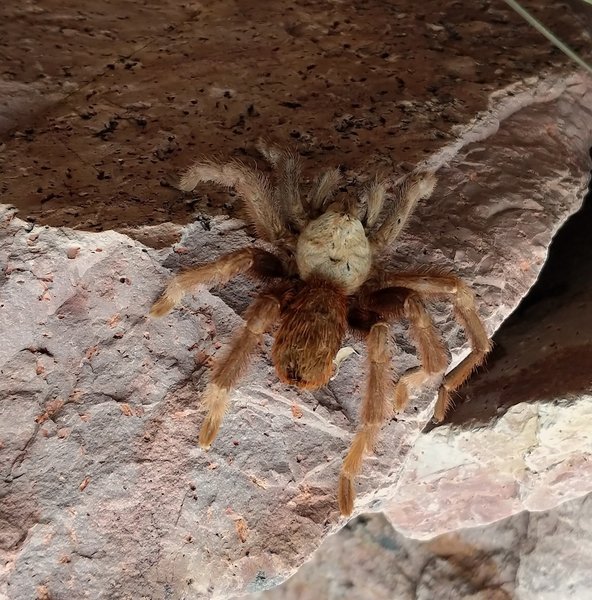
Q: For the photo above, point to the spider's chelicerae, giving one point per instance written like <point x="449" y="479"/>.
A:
<point x="323" y="279"/>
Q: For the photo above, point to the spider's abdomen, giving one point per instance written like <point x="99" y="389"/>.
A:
<point x="310" y="334"/>
<point x="335" y="247"/>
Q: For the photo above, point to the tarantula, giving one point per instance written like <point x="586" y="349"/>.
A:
<point x="323" y="280"/>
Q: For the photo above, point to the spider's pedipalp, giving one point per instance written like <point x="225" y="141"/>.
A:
<point x="252" y="186"/>
<point x="322" y="191"/>
<point x="374" y="195"/>
<point x="260" y="316"/>
<point x="287" y="194"/>
<point x="262" y="263"/>
<point x="407" y="194"/>
<point x="376" y="409"/>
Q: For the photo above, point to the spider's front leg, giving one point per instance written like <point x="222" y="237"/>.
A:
<point x="376" y="409"/>
<point x="260" y="316"/>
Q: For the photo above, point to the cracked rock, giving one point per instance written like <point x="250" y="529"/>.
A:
<point x="529" y="556"/>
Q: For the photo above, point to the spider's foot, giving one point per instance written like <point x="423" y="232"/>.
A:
<point x="401" y="397"/>
<point x="346" y="495"/>
<point x="162" y="306"/>
<point x="443" y="403"/>
<point x="426" y="182"/>
<point x="215" y="398"/>
<point x="208" y="433"/>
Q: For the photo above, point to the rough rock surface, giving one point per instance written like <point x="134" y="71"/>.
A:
<point x="523" y="436"/>
<point x="529" y="556"/>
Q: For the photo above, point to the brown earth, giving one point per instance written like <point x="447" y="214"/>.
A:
<point x="101" y="102"/>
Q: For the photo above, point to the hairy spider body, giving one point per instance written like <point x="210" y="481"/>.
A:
<point x="322" y="282"/>
<point x="313" y="324"/>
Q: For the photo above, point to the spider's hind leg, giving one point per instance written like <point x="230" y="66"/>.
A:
<point x="398" y="302"/>
<point x="463" y="299"/>
<point x="431" y="350"/>
<point x="376" y="409"/>
<point x="466" y="313"/>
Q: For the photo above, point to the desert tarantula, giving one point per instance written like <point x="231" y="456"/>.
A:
<point x="323" y="280"/>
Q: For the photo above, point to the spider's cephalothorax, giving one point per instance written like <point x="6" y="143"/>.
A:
<point x="323" y="281"/>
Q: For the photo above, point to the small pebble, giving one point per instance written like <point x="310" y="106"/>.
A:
<point x="73" y="252"/>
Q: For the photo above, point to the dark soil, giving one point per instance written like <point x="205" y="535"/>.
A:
<point x="101" y="102"/>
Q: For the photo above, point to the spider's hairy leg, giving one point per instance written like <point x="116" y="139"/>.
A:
<point x="322" y="190"/>
<point x="260" y="316"/>
<point x="374" y="194"/>
<point x="480" y="345"/>
<point x="431" y="350"/>
<point x="252" y="186"/>
<point x="395" y="303"/>
<point x="376" y="408"/>
<point x="288" y="167"/>
<point x="259" y="261"/>
<point x="407" y="195"/>
<point x="463" y="300"/>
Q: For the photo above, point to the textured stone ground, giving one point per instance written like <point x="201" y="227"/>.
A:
<point x="104" y="493"/>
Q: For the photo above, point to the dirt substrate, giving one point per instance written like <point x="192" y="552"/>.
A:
<point x="101" y="103"/>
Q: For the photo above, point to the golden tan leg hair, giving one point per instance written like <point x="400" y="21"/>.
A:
<point x="432" y="354"/>
<point x="252" y="186"/>
<point x="260" y="316"/>
<point x="376" y="408"/>
<point x="219" y="271"/>
<point x="466" y="312"/>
